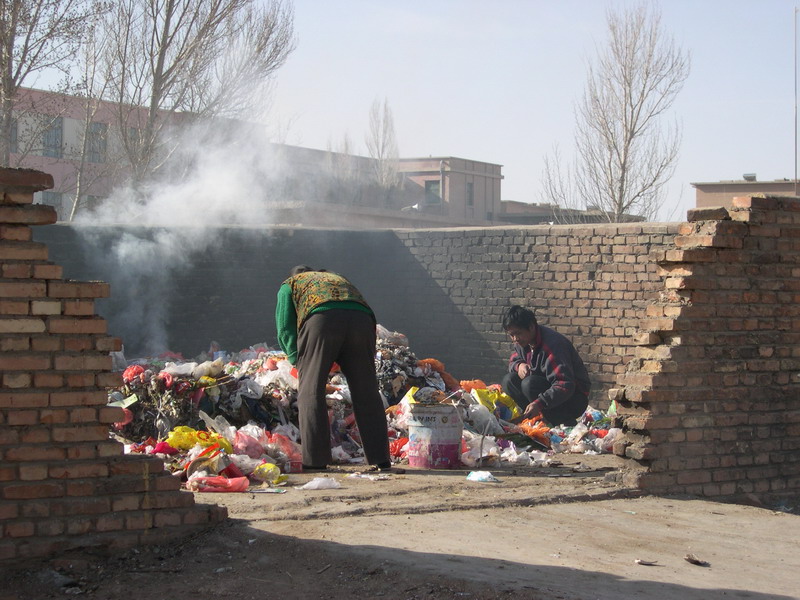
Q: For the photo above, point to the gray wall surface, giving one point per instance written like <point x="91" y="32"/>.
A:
<point x="446" y="289"/>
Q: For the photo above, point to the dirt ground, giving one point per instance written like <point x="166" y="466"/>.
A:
<point x="567" y="531"/>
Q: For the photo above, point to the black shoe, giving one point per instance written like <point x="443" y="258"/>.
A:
<point x="307" y="468"/>
<point x="388" y="468"/>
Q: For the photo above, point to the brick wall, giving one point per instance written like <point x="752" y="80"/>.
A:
<point x="692" y="328"/>
<point x="711" y="402"/>
<point x="63" y="483"/>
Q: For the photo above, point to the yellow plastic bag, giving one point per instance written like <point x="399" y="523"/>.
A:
<point x="186" y="438"/>
<point x="182" y="438"/>
<point x="495" y="399"/>
<point x="269" y="473"/>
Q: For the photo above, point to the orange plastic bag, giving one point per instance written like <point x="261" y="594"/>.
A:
<point x="218" y="483"/>
<point x="535" y="428"/>
<point x="469" y="384"/>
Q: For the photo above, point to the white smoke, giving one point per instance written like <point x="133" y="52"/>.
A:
<point x="138" y="240"/>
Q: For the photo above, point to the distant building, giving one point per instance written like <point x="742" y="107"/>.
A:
<point x="722" y="193"/>
<point x="307" y="186"/>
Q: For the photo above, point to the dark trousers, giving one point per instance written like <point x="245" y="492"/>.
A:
<point x="525" y="391"/>
<point x="348" y="338"/>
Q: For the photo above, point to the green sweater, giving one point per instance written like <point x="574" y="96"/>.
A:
<point x="286" y="319"/>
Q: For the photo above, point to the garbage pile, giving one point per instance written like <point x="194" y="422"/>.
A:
<point x="228" y="422"/>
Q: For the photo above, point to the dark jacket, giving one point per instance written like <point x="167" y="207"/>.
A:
<point x="553" y="357"/>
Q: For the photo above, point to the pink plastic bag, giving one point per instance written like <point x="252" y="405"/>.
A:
<point x="218" y="483"/>
<point x="247" y="444"/>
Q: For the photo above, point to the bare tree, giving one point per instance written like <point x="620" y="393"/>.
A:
<point x="95" y="159"/>
<point x="174" y="61"/>
<point x="36" y="36"/>
<point x="382" y="147"/>
<point x="625" y="153"/>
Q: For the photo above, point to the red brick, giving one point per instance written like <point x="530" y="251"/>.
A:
<point x="27" y="491"/>
<point x="51" y="527"/>
<point x="85" y="325"/>
<point x="14" y="307"/>
<point x="23" y="417"/>
<point x="75" y="470"/>
<point x="8" y="510"/>
<point x="22" y="325"/>
<point x="79" y="398"/>
<point x="83" y="433"/>
<point x="16" y="270"/>
<point x="25" y="362"/>
<point x="15" y="344"/>
<point x="48" y="271"/>
<point x="78" y="344"/>
<point x="79" y="307"/>
<point x="28" y="289"/>
<point x="17" y="381"/>
<point x="108" y="344"/>
<point x="75" y="289"/>
<point x="110" y="522"/>
<point x="83" y="414"/>
<point x="33" y="472"/>
<point x="35" y="453"/>
<point x="48" y="379"/>
<point x="18" y="185"/>
<point x="79" y="380"/>
<point x="107" y="380"/>
<point x="18" y="529"/>
<point x="111" y="414"/>
<point x="34" y="435"/>
<point x="48" y="343"/>
<point x="23" y="399"/>
<point x="126" y="503"/>
<point x="82" y="363"/>
<point x="16" y="251"/>
<point x="37" y="214"/>
<point x="52" y="416"/>
<point x="19" y="233"/>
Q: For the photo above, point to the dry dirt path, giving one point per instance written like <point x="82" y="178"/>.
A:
<point x="563" y="532"/>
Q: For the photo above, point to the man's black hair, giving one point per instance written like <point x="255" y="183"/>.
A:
<point x="517" y="316"/>
<point x="300" y="269"/>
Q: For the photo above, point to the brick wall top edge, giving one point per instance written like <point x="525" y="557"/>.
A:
<point x="23" y="180"/>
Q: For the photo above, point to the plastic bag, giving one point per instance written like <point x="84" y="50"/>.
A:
<point x="245" y="444"/>
<point x="321" y="483"/>
<point x="268" y="473"/>
<point x="218" y="483"/>
<point x="219" y="425"/>
<point x="497" y="402"/>
<point x="483" y="421"/>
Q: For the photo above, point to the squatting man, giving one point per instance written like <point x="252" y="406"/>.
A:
<point x="546" y="376"/>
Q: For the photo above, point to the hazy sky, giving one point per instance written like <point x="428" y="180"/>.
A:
<point x="497" y="80"/>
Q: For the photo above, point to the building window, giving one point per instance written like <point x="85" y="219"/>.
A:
<point x="51" y="138"/>
<point x="433" y="192"/>
<point x="470" y="194"/>
<point x="12" y="146"/>
<point x="134" y="138"/>
<point x="96" y="144"/>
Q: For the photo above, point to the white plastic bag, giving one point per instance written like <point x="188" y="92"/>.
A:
<point x="321" y="483"/>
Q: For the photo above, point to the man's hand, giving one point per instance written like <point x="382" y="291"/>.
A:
<point x="523" y="370"/>
<point x="531" y="411"/>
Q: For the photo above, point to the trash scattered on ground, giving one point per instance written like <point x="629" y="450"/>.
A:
<point x="482" y="476"/>
<point x="321" y="483"/>
<point x="228" y="422"/>
<point x="691" y="558"/>
<point x="646" y="563"/>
